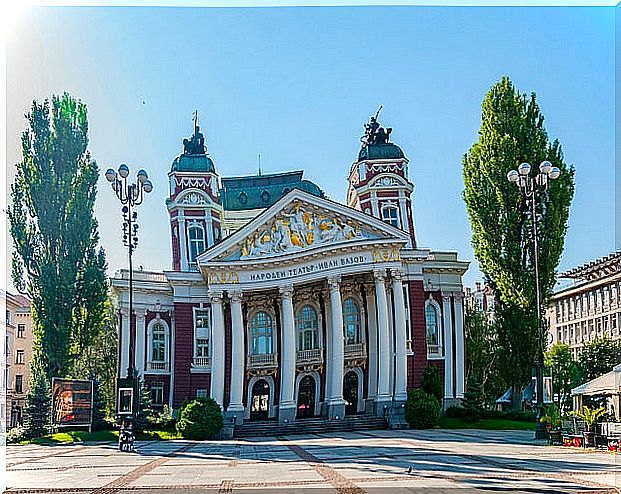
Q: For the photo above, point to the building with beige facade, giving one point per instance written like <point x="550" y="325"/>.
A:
<point x="589" y="307"/>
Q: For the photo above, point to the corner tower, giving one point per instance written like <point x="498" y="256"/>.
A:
<point x="378" y="179"/>
<point x="193" y="207"/>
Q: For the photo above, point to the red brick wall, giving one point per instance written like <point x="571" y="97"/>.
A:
<point x="151" y="378"/>
<point x="418" y="361"/>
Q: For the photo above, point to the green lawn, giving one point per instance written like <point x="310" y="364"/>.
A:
<point x="69" y="437"/>
<point x="493" y="424"/>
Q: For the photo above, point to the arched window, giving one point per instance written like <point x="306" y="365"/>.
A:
<point x="197" y="241"/>
<point x="158" y="343"/>
<point x="307" y="325"/>
<point x="351" y="321"/>
<point x="433" y="329"/>
<point x="261" y="329"/>
<point x="390" y="214"/>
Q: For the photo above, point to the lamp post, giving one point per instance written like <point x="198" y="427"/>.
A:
<point x="532" y="188"/>
<point x="130" y="195"/>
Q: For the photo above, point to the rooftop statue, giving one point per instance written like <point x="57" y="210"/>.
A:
<point x="196" y="144"/>
<point x="374" y="133"/>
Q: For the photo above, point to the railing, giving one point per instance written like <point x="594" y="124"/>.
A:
<point x="201" y="361"/>
<point x="356" y="350"/>
<point x="434" y="350"/>
<point x="157" y="366"/>
<point x="262" y="360"/>
<point x="312" y="356"/>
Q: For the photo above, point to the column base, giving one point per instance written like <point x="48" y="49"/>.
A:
<point x="286" y="414"/>
<point x="235" y="414"/>
<point x="382" y="405"/>
<point x="336" y="409"/>
<point x="449" y="401"/>
<point x="396" y="416"/>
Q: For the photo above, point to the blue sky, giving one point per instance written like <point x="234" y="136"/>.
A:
<point x="296" y="85"/>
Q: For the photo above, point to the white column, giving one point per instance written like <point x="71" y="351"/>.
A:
<point x="447" y="323"/>
<point x="400" y="337"/>
<point x="209" y="228"/>
<point x="124" y="346"/>
<point x="372" y="319"/>
<point x="171" y="359"/>
<point x="383" y="338"/>
<point x="328" y="343"/>
<point x="237" y="356"/>
<point x="460" y="346"/>
<point x="140" y="342"/>
<point x="286" y="409"/>
<point x="374" y="205"/>
<point x="217" y="348"/>
<point x="336" y="403"/>
<point x="183" y="246"/>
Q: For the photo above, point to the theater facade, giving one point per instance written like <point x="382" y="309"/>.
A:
<point x="282" y="304"/>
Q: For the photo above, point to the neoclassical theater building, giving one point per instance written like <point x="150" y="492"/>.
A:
<point x="283" y="304"/>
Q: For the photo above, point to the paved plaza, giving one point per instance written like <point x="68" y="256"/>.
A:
<point x="347" y="463"/>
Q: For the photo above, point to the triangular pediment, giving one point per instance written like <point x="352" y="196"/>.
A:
<point x="300" y="222"/>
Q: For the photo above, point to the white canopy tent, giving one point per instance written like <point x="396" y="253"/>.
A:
<point x="607" y="385"/>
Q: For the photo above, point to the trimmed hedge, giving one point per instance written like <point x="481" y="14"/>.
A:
<point x="200" y="419"/>
<point x="422" y="410"/>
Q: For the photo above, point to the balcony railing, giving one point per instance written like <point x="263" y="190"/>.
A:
<point x="201" y="361"/>
<point x="157" y="366"/>
<point x="435" y="350"/>
<point x="313" y="356"/>
<point x="355" y="350"/>
<point x="264" y="360"/>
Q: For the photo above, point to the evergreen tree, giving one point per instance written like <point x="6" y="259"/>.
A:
<point x="54" y="232"/>
<point x="143" y="403"/>
<point x="38" y="403"/>
<point x="512" y="132"/>
<point x="473" y="402"/>
<point x="431" y="384"/>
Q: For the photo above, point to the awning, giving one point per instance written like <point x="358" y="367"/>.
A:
<point x="608" y="384"/>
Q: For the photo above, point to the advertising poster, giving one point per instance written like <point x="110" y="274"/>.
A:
<point x="72" y="402"/>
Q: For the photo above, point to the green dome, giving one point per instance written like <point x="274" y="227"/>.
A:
<point x="195" y="163"/>
<point x="380" y="152"/>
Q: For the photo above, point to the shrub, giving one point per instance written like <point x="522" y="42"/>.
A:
<point x="16" y="435"/>
<point x="422" y="410"/>
<point x="200" y="419"/>
<point x="473" y="402"/>
<point x="455" y="412"/>
<point x="38" y="404"/>
<point x="431" y="384"/>
<point x="163" y="419"/>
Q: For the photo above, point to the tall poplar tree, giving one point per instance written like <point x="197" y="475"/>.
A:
<point x="512" y="132"/>
<point x="54" y="232"/>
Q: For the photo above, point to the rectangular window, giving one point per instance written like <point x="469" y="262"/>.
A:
<point x="19" y="383"/>
<point x="19" y="357"/>
<point x="202" y="347"/>
<point x="202" y="332"/>
<point x="157" y="393"/>
<point x="21" y="330"/>
<point x="201" y="393"/>
<point x="390" y="215"/>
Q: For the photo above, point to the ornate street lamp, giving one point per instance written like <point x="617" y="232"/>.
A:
<point x="130" y="195"/>
<point x="532" y="188"/>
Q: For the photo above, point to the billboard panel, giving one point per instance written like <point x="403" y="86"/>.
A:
<point x="72" y="402"/>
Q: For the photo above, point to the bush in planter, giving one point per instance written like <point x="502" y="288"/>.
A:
<point x="422" y="410"/>
<point x="200" y="419"/>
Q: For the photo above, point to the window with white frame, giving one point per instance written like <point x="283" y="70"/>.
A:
<point x="202" y="336"/>
<point x="158" y="343"/>
<point x="432" y="324"/>
<point x="201" y="393"/>
<point x="351" y="321"/>
<point x="19" y="357"/>
<point x="196" y="234"/>
<point x="307" y="325"/>
<point x="390" y="214"/>
<point x="157" y="393"/>
<point x="261" y="333"/>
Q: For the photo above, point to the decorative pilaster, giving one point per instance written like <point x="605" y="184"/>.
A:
<point x="400" y="337"/>
<point x="372" y="341"/>
<point x="447" y="323"/>
<point x="383" y="340"/>
<point x="124" y="346"/>
<point x="236" y="406"/>
<point x="140" y="342"/>
<point x="286" y="409"/>
<point x="336" y="403"/>
<point x="217" y="348"/>
<point x="183" y="244"/>
<point x="460" y="347"/>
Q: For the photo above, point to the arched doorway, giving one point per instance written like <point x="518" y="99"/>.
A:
<point x="306" y="397"/>
<point x="350" y="393"/>
<point x="259" y="407"/>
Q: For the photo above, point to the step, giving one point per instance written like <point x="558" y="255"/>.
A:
<point x="310" y="426"/>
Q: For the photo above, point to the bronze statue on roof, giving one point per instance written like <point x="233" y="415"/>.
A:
<point x="196" y="144"/>
<point x="374" y="133"/>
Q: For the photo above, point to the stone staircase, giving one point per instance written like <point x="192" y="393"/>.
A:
<point x="310" y="426"/>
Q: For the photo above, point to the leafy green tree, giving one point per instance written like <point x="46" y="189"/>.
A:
<point x="560" y="363"/>
<point x="512" y="132"/>
<point x="430" y="382"/>
<point x="38" y="404"/>
<point x="598" y="357"/>
<point x="54" y="232"/>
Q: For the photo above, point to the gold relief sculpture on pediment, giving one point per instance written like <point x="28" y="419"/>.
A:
<point x="298" y="229"/>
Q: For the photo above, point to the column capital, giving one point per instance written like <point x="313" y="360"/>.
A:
<point x="458" y="296"/>
<point x="446" y="297"/>
<point x="215" y="296"/>
<point x="333" y="283"/>
<point x="236" y="296"/>
<point x="397" y="274"/>
<point x="286" y="291"/>
<point x="379" y="274"/>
